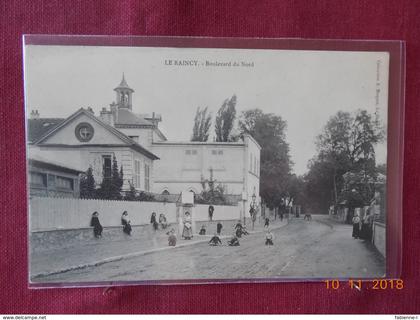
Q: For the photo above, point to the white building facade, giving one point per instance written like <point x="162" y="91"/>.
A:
<point x="150" y="162"/>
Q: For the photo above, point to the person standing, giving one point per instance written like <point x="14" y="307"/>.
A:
<point x="267" y="223"/>
<point x="356" y="226"/>
<point x="219" y="227"/>
<point x="153" y="221"/>
<point x="211" y="211"/>
<point x="125" y="221"/>
<point x="366" y="232"/>
<point x="187" y="230"/>
<point x="95" y="223"/>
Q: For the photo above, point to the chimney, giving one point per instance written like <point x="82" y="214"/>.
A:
<point x="114" y="112"/>
<point x="90" y="110"/>
<point x="106" y="116"/>
<point x="34" y="114"/>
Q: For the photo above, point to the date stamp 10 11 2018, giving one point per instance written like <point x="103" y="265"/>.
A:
<point x="375" y="284"/>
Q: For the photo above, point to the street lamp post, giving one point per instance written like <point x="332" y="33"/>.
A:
<point x="253" y="210"/>
<point x="244" y="198"/>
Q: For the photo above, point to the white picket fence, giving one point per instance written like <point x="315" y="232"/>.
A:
<point x="69" y="213"/>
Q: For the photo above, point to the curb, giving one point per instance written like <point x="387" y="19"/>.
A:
<point x="133" y="255"/>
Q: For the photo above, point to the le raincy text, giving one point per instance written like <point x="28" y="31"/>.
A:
<point x="207" y="63"/>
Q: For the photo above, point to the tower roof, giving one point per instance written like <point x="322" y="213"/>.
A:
<point x="123" y="84"/>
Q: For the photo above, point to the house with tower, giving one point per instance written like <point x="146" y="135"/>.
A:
<point x="151" y="162"/>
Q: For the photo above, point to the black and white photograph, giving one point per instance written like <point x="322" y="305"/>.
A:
<point x="180" y="164"/>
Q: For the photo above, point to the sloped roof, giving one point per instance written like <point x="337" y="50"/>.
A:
<point x="40" y="162"/>
<point x="38" y="127"/>
<point x="127" y="117"/>
<point x="123" y="84"/>
<point x="129" y="142"/>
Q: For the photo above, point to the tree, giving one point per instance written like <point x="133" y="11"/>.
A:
<point x="120" y="180"/>
<point x="131" y="194"/>
<point x="346" y="145"/>
<point x="116" y="180"/>
<point x="225" y="120"/>
<point x="111" y="186"/>
<point x="212" y="193"/>
<point x="295" y="190"/>
<point x="88" y="185"/>
<point x="202" y="123"/>
<point x="269" y="131"/>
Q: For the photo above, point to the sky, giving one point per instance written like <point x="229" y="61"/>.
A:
<point x="305" y="88"/>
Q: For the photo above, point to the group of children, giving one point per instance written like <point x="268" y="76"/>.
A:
<point x="239" y="230"/>
<point x="162" y="222"/>
<point x="216" y="241"/>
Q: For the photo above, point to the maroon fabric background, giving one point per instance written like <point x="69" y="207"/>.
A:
<point x="368" y="19"/>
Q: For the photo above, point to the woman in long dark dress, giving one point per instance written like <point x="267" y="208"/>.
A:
<point x="366" y="232"/>
<point x="153" y="221"/>
<point x="126" y="223"/>
<point x="219" y="228"/>
<point x="356" y="226"/>
<point x="97" y="227"/>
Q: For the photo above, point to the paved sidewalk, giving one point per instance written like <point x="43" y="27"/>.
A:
<point x="99" y="251"/>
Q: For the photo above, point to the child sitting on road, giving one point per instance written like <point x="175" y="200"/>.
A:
<point x="269" y="238"/>
<point x="171" y="238"/>
<point x="202" y="230"/>
<point x="215" y="240"/>
<point x="234" y="242"/>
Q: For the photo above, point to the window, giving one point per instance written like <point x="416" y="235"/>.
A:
<point x="250" y="162"/>
<point x="107" y="166"/>
<point x="191" y="152"/>
<point x="38" y="179"/>
<point x="64" y="183"/>
<point x="146" y="177"/>
<point x="217" y="152"/>
<point x="255" y="165"/>
<point x="136" y="178"/>
<point x="51" y="181"/>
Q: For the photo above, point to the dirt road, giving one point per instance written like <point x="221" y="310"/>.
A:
<point x="314" y="249"/>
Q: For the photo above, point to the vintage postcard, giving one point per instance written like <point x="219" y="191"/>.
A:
<point x="170" y="163"/>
